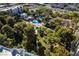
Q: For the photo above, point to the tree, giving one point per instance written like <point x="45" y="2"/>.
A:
<point x="47" y="42"/>
<point x="54" y="46"/>
<point x="65" y="16"/>
<point x="56" y="21"/>
<point x="67" y="36"/>
<point x="60" y="51"/>
<point x="26" y="9"/>
<point x="70" y="15"/>
<point x="41" y="31"/>
<point x="1" y="24"/>
<point x="3" y="39"/>
<point x="45" y="19"/>
<point x="7" y="42"/>
<point x="31" y="37"/>
<point x="73" y="14"/>
<point x="7" y="30"/>
<point x="53" y="23"/>
<point x="43" y="11"/>
<point x="18" y="28"/>
<point x="2" y="20"/>
<point x="41" y="45"/>
<point x="56" y="14"/>
<point x="17" y="18"/>
<point x="2" y="13"/>
<point x="10" y="21"/>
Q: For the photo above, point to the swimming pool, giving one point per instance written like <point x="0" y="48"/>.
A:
<point x="36" y="23"/>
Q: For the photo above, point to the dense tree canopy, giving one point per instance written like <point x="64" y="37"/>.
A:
<point x="50" y="39"/>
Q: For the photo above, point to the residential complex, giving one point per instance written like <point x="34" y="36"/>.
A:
<point x="29" y="29"/>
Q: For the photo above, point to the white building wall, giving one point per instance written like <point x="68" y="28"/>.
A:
<point x="5" y="53"/>
<point x="16" y="9"/>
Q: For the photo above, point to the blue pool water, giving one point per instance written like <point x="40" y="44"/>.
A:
<point x="35" y="22"/>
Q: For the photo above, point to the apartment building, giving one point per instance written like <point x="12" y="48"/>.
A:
<point x="12" y="10"/>
<point x="14" y="52"/>
<point x="15" y="10"/>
